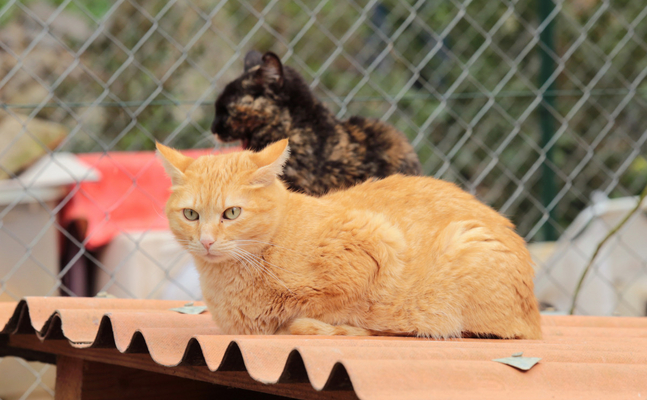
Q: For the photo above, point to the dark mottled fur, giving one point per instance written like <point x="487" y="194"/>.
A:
<point x="270" y="102"/>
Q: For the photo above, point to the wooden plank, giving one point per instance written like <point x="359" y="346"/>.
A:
<point x="237" y="379"/>
<point x="107" y="382"/>
<point x="25" y="354"/>
<point x="69" y="378"/>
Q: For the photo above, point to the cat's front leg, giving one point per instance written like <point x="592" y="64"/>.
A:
<point x="358" y="263"/>
<point x="309" y="326"/>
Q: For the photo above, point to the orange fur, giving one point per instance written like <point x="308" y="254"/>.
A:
<point x="402" y="255"/>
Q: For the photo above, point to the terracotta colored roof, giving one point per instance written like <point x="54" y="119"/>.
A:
<point x="581" y="357"/>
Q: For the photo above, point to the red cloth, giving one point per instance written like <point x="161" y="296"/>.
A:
<point x="130" y="196"/>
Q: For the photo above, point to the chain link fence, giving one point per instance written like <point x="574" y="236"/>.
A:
<point x="537" y="107"/>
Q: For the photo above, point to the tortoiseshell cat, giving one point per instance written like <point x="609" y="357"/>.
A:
<point x="402" y="255"/>
<point x="269" y="102"/>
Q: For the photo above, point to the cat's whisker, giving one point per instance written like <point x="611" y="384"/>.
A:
<point x="265" y="261"/>
<point x="248" y="264"/>
<point x="240" y="260"/>
<point x="257" y="267"/>
<point x="271" y="244"/>
<point x="262" y="260"/>
<point x="254" y="263"/>
<point x="159" y="213"/>
<point x="184" y="242"/>
<point x="263" y="268"/>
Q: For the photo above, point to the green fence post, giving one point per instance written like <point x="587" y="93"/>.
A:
<point x="546" y="119"/>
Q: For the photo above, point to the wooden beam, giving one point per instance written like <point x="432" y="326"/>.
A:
<point x="108" y="382"/>
<point x="69" y="378"/>
<point x="236" y="379"/>
<point x="25" y="354"/>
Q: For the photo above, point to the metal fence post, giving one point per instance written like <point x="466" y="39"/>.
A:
<point x="546" y="120"/>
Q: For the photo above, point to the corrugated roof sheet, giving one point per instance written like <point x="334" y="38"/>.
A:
<point x="581" y="357"/>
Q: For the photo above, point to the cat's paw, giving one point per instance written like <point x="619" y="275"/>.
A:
<point x="309" y="326"/>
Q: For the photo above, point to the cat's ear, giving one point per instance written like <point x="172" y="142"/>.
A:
<point x="271" y="70"/>
<point x="252" y="59"/>
<point x="270" y="162"/>
<point x="175" y="163"/>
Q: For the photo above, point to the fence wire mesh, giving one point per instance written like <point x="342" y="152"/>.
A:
<point x="537" y="107"/>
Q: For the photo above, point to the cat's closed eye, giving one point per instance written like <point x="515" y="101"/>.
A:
<point x="231" y="213"/>
<point x="190" y="214"/>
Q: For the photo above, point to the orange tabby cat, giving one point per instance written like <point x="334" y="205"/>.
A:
<point x="401" y="255"/>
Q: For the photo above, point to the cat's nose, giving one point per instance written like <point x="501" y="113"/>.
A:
<point x="207" y="242"/>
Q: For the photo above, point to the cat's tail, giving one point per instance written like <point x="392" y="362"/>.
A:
<point x="309" y="326"/>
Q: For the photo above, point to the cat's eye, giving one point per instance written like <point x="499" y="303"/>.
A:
<point x="190" y="214"/>
<point x="231" y="213"/>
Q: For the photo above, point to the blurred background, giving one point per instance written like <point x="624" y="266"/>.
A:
<point x="537" y="107"/>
